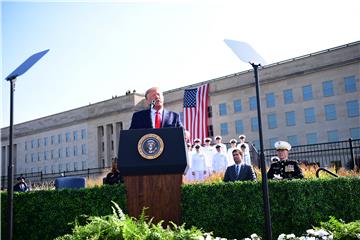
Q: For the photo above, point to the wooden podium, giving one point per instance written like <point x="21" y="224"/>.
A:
<point x="152" y="162"/>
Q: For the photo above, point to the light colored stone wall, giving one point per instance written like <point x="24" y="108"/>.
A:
<point x="116" y="113"/>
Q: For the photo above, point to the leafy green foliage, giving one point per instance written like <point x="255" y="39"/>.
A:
<point x="120" y="226"/>
<point x="342" y="230"/>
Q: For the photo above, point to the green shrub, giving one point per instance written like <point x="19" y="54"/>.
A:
<point x="235" y="210"/>
<point x="47" y="214"/>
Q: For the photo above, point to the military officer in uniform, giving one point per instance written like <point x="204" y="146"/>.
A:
<point x="284" y="169"/>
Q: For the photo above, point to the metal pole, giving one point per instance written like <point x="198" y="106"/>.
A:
<point x="262" y="159"/>
<point x="10" y="192"/>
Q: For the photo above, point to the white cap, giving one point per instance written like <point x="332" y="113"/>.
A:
<point x="274" y="159"/>
<point x="218" y="146"/>
<point x="242" y="136"/>
<point x="282" y="145"/>
<point x="197" y="140"/>
<point x="233" y="140"/>
<point x="197" y="146"/>
<point x="218" y="137"/>
<point x="208" y="139"/>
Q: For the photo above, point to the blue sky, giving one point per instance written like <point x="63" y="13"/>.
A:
<point x="99" y="50"/>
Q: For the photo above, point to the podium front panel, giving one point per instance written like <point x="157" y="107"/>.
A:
<point x="134" y="157"/>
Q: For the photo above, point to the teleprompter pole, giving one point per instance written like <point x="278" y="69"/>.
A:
<point x="265" y="188"/>
<point x="10" y="193"/>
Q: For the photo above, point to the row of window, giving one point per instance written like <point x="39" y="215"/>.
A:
<point x="288" y="96"/>
<point x="58" y="168"/>
<point x="290" y="118"/>
<point x="312" y="138"/>
<point x="56" y="139"/>
<point x="56" y="154"/>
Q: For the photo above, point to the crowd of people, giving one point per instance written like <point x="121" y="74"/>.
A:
<point x="235" y="162"/>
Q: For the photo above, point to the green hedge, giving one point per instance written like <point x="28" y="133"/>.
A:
<point x="235" y="210"/>
<point x="46" y="214"/>
<point x="231" y="210"/>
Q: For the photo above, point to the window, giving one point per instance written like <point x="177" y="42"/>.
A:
<point x="75" y="151"/>
<point x="52" y="155"/>
<point x="67" y="166"/>
<point x="52" y="140"/>
<point x="272" y="141"/>
<point x="252" y="103"/>
<point x="290" y="118"/>
<point x="26" y="146"/>
<point x="26" y="158"/>
<point x="32" y="157"/>
<point x="307" y="93"/>
<point x="211" y="130"/>
<point x="38" y="142"/>
<point x="222" y="109"/>
<point x="239" y="126"/>
<point x="33" y="143"/>
<point x="293" y="140"/>
<point x="352" y="108"/>
<point x="83" y="131"/>
<point x="355" y="133"/>
<point x="328" y="88"/>
<point x="45" y="141"/>
<point x="112" y="145"/>
<point x="288" y="96"/>
<point x="59" y="138"/>
<point x="45" y="156"/>
<point x="309" y="114"/>
<point x="83" y="165"/>
<point x="76" y="137"/>
<point x="254" y="124"/>
<point x="209" y="112"/>
<point x="272" y="122"/>
<point x="350" y="84"/>
<point x="333" y="136"/>
<point x="60" y="153"/>
<point x="67" y="137"/>
<point x="311" y="138"/>
<point x="224" y="129"/>
<point x="330" y="112"/>
<point x="237" y="106"/>
<point x="83" y="149"/>
<point x="270" y="100"/>
<point x="67" y="152"/>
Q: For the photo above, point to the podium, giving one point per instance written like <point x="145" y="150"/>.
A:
<point x="152" y="162"/>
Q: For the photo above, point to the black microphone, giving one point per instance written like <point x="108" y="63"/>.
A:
<point x="152" y="104"/>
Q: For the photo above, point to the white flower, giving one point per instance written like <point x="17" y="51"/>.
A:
<point x="290" y="236"/>
<point x="282" y="237"/>
<point x="322" y="233"/>
<point x="310" y="232"/>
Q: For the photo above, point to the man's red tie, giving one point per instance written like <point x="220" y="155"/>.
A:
<point x="157" y="119"/>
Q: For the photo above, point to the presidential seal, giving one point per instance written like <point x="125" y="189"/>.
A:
<point x="150" y="146"/>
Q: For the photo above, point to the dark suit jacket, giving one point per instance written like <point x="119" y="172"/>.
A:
<point x="246" y="173"/>
<point x="142" y="119"/>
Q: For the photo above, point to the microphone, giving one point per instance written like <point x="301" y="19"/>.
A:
<point x="152" y="104"/>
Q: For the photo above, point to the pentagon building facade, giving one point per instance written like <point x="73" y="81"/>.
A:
<point x="308" y="99"/>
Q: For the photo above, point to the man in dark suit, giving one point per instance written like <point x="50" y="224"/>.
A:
<point x="239" y="171"/>
<point x="155" y="116"/>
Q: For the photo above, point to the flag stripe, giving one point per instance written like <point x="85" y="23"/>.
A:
<point x="196" y="112"/>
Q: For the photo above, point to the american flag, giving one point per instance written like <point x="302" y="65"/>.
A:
<point x="196" y="102"/>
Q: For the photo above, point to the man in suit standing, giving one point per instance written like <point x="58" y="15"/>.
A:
<point x="239" y="171"/>
<point x="155" y="116"/>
